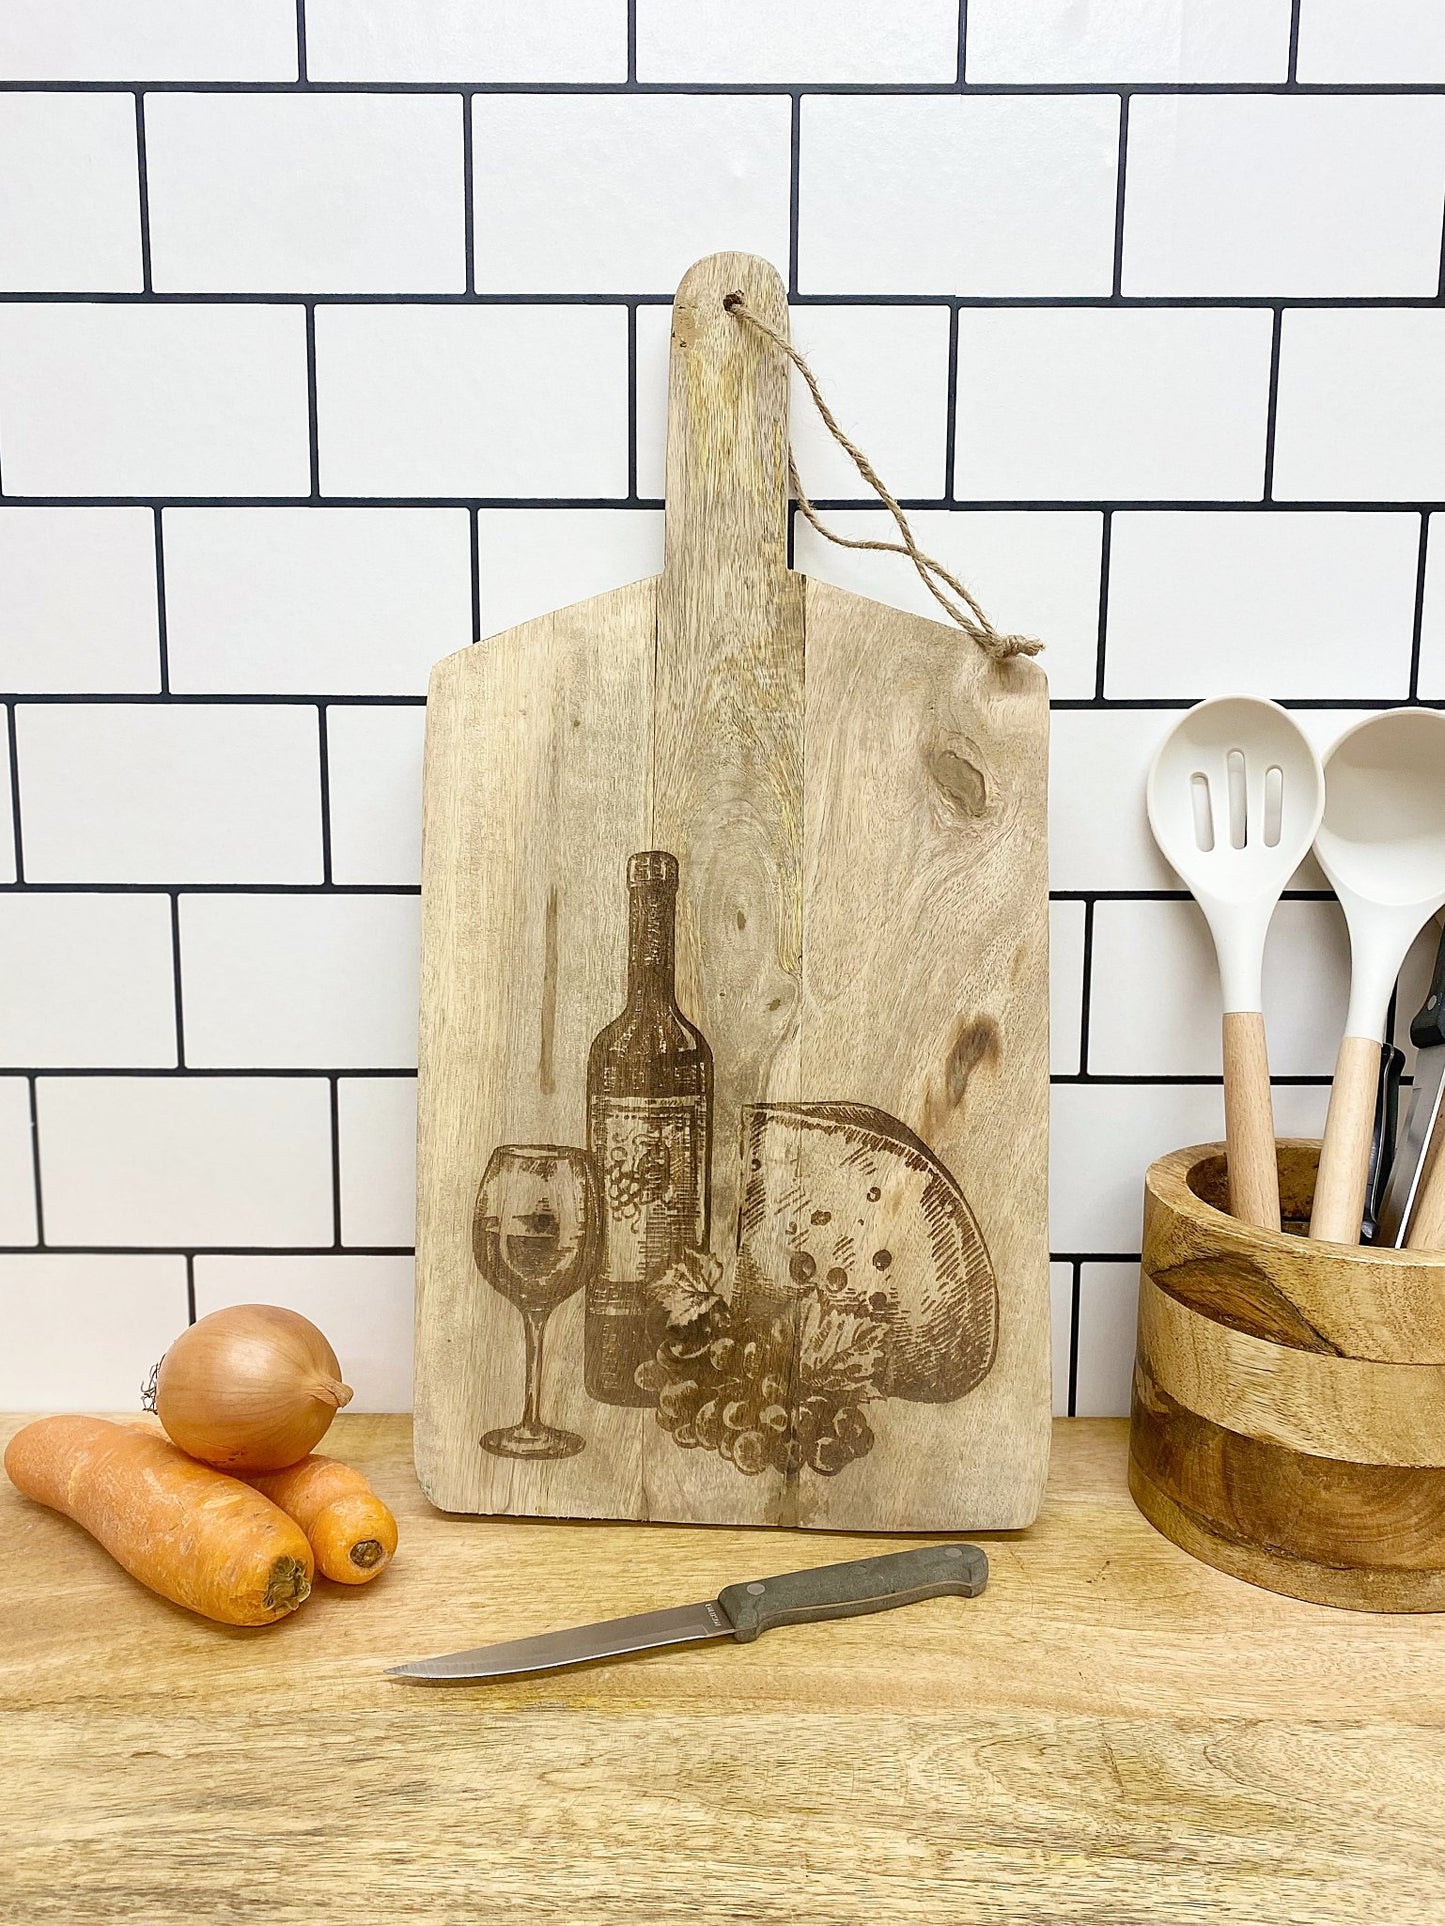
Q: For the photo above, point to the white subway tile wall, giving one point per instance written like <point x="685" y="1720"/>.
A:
<point x="307" y="601"/>
<point x="78" y="603"/>
<point x="70" y="204"/>
<point x="546" y="41"/>
<point x="1059" y="42"/>
<point x="347" y="193"/>
<point x="130" y="399"/>
<point x="333" y="336"/>
<point x="310" y="982"/>
<point x="472" y="401"/>
<point x="18" y="1219"/>
<point x="373" y="759"/>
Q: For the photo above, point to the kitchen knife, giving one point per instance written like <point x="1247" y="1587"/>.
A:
<point x="1427" y="1033"/>
<point x="1382" y="1146"/>
<point x="740" y="1612"/>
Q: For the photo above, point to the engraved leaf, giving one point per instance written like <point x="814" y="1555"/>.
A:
<point x="691" y="1288"/>
<point x="840" y="1355"/>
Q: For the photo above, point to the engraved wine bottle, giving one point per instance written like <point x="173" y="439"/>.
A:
<point x="649" y="1129"/>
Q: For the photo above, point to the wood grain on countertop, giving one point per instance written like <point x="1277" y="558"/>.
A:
<point x="1112" y="1734"/>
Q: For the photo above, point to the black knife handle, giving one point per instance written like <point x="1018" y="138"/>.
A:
<point x="1382" y="1144"/>
<point x="1428" y="1029"/>
<point x="847" y="1591"/>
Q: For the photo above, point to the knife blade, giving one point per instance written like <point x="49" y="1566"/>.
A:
<point x="740" y="1612"/>
<point x="1427" y="1033"/>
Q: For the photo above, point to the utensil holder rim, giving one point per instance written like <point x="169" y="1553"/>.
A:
<point x="1167" y="1180"/>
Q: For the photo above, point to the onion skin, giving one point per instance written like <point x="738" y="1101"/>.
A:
<point x="249" y="1388"/>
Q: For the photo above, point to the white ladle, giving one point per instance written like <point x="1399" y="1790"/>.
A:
<point x="1382" y="846"/>
<point x="1234" y="796"/>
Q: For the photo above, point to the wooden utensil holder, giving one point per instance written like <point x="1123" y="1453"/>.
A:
<point x="1288" y="1421"/>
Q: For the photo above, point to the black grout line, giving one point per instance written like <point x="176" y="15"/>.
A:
<point x="685" y="89"/>
<point x="631" y="43"/>
<point x="1106" y="540"/>
<point x="1272" y="404"/>
<point x="1418" y="624"/>
<point x="961" y="77"/>
<point x="191" y="1259"/>
<point x="1118" y="282"/>
<point x="35" y="1163"/>
<point x="301" y="41"/>
<point x="1292" y="68"/>
<point x="1071" y="704"/>
<point x="162" y="637"/>
<point x="210" y="1250"/>
<point x="1174" y="1080"/>
<point x="1086" y="987"/>
<point x="225" y="698"/>
<point x="210" y="889"/>
<point x="1074" y="1296"/>
<point x="220" y="698"/>
<point x="283" y="1251"/>
<point x="660" y="298"/>
<point x="412" y="889"/>
<point x="177" y="979"/>
<point x="15" y="797"/>
<point x="143" y="189"/>
<point x="1167" y="895"/>
<point x="973" y="504"/>
<point x="950" y="419"/>
<point x="312" y="437"/>
<point x="526" y="297"/>
<point x="325" y="772"/>
<point x="469" y="239"/>
<point x="795" y="165"/>
<point x="335" y="1114"/>
<point x="475" y="559"/>
<point x="632" y="401"/>
<point x="201" y="1072"/>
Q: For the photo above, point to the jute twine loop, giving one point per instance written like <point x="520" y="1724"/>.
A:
<point x="969" y="617"/>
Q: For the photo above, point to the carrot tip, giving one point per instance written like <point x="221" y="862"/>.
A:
<point x="367" y="1552"/>
<point x="289" y="1586"/>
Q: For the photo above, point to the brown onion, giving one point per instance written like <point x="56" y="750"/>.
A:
<point x="249" y="1388"/>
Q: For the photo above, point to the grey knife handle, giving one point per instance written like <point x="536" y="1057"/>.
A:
<point x="847" y="1591"/>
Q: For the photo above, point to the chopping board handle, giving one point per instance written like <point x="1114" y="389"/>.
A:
<point x="727" y="440"/>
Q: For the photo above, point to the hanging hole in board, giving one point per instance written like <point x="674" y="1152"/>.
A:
<point x="1273" y="805"/>
<point x="1238" y="798"/>
<point x="1203" y="811"/>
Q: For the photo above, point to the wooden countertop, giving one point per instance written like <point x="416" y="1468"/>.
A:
<point x="1111" y="1734"/>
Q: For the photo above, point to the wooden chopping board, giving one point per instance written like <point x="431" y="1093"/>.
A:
<point x="732" y="1145"/>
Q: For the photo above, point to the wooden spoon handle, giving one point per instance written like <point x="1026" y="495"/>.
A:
<point x="1344" y="1172"/>
<point x="1427" y="1219"/>
<point x="1249" y="1122"/>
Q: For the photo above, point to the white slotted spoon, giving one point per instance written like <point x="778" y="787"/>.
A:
<point x="1234" y="795"/>
<point x="1382" y="845"/>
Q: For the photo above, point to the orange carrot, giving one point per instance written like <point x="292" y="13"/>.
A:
<point x="350" y="1530"/>
<point x="192" y="1534"/>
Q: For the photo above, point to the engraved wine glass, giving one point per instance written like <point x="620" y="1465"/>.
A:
<point x="535" y="1238"/>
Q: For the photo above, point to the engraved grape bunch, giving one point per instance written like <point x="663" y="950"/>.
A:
<point x="777" y="1383"/>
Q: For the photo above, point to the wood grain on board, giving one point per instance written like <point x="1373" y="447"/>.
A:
<point x="1113" y="1732"/>
<point x="1260" y="1440"/>
<point x="735" y="983"/>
